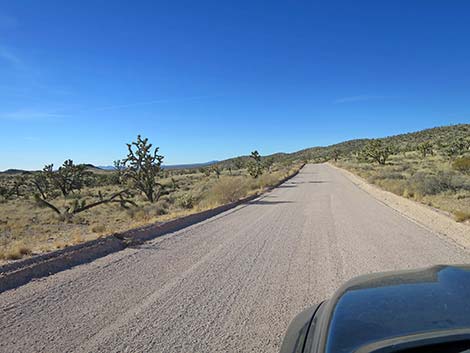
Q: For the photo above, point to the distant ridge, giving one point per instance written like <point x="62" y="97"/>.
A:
<point x="171" y="166"/>
<point x="14" y="171"/>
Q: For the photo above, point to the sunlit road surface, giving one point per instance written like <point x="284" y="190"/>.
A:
<point x="229" y="284"/>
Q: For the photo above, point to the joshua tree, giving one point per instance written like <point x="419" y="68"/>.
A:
<point x="68" y="178"/>
<point x="79" y="205"/>
<point x="42" y="184"/>
<point x="425" y="148"/>
<point x="376" y="151"/>
<point x="255" y="167"/>
<point x="143" y="167"/>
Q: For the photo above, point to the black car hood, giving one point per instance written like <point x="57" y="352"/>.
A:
<point x="376" y="307"/>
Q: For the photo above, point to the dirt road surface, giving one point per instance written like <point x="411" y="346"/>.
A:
<point x="229" y="284"/>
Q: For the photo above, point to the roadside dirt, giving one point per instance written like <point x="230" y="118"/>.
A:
<point x="431" y="219"/>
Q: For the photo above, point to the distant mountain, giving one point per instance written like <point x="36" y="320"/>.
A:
<point x="170" y="166"/>
<point x="189" y="166"/>
<point x="14" y="171"/>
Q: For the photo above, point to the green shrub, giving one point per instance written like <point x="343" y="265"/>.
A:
<point x="432" y="184"/>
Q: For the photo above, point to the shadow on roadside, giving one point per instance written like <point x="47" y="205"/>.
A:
<point x="263" y="202"/>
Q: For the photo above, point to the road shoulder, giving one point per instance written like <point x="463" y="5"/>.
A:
<point x="426" y="217"/>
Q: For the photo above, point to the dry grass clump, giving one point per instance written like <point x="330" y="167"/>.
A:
<point x="228" y="189"/>
<point x="461" y="216"/>
<point x="98" y="228"/>
<point x="15" y="251"/>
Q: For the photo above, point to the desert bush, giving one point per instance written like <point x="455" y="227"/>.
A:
<point x="161" y="207"/>
<point x="388" y="173"/>
<point x="239" y="163"/>
<point x="228" y="189"/>
<point x="462" y="165"/>
<point x="432" y="184"/>
<point x="457" y="146"/>
<point x="98" y="228"/>
<point x="186" y="201"/>
<point x="268" y="180"/>
<point x="425" y="184"/>
<point x="398" y="187"/>
<point x="15" y="252"/>
<point x="461" y="216"/>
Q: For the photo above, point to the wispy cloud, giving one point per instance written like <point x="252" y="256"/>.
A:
<point x="151" y="102"/>
<point x="360" y="98"/>
<point x="31" y="115"/>
<point x="54" y="115"/>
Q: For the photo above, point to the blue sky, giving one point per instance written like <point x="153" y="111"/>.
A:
<point x="208" y="80"/>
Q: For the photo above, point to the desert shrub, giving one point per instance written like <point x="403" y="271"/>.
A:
<point x="267" y="180"/>
<point x="425" y="184"/>
<point x="15" y="252"/>
<point x="462" y="165"/>
<point x="228" y="189"/>
<point x="461" y="216"/>
<point x="98" y="228"/>
<point x="137" y="213"/>
<point x="393" y="175"/>
<point x="396" y="186"/>
<point x="161" y="207"/>
<point x="432" y="184"/>
<point x="186" y="201"/>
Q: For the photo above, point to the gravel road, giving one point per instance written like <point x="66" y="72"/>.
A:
<point x="229" y="284"/>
